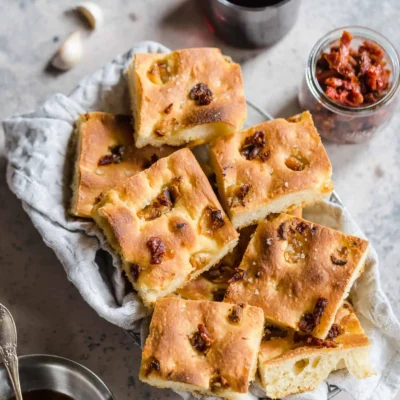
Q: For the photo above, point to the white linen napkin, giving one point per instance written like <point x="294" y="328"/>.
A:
<point x="39" y="173"/>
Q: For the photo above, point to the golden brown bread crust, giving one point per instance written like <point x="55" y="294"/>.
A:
<point x="163" y="247"/>
<point x="293" y="263"/>
<point x="231" y="356"/>
<point x="160" y="85"/>
<point x="289" y="160"/>
<point x="97" y="132"/>
<point x="285" y="355"/>
<point x="212" y="285"/>
<point x="352" y="335"/>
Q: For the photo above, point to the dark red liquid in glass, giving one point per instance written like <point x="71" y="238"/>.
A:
<point x="255" y="3"/>
<point x="44" y="395"/>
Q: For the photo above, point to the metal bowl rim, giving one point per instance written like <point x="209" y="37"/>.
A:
<point x="70" y="364"/>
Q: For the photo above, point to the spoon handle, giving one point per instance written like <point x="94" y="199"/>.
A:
<point x="9" y="355"/>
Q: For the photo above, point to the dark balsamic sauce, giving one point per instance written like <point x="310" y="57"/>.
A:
<point x="44" y="395"/>
<point x="255" y="3"/>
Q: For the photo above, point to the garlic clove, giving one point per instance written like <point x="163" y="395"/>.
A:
<point x="69" y="54"/>
<point x="92" y="12"/>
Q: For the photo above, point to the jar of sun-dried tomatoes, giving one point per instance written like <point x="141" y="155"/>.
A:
<point x="350" y="84"/>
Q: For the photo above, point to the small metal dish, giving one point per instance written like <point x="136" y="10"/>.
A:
<point x="46" y="372"/>
<point x="250" y="27"/>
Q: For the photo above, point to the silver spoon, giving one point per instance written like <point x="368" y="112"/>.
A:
<point x="8" y="348"/>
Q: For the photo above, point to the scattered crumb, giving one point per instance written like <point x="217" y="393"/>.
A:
<point x="133" y="17"/>
<point x="379" y="172"/>
<point x="286" y="184"/>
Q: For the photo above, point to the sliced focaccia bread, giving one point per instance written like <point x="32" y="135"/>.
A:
<point x="273" y="167"/>
<point x="204" y="347"/>
<point x="105" y="156"/>
<point x="188" y="96"/>
<point x="298" y="272"/>
<point x="291" y="363"/>
<point x="166" y="224"/>
<point x="212" y="284"/>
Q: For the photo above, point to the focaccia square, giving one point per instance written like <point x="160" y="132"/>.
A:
<point x="166" y="224"/>
<point x="298" y="272"/>
<point x="105" y="156"/>
<point x="295" y="364"/>
<point x="188" y="96"/>
<point x="272" y="167"/>
<point x="202" y="346"/>
<point x="212" y="284"/>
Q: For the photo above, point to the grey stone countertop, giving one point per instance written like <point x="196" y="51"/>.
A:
<point x="49" y="312"/>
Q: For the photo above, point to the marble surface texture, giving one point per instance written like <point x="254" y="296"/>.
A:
<point x="50" y="314"/>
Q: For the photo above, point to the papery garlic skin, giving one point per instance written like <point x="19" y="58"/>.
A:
<point x="69" y="54"/>
<point x="92" y="12"/>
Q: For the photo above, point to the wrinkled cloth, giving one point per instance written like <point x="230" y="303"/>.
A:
<point x="40" y="164"/>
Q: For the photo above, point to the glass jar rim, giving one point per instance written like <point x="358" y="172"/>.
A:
<point x="228" y="4"/>
<point x="368" y="34"/>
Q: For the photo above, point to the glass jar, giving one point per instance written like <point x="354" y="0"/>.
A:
<point x="340" y="123"/>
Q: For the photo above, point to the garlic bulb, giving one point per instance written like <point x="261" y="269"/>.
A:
<point x="69" y="54"/>
<point x="92" y="12"/>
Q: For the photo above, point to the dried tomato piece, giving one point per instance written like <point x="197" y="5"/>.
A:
<point x="116" y="156"/>
<point x="236" y="314"/>
<point x="334" y="331"/>
<point x="221" y="273"/>
<point x="338" y="261"/>
<point x="242" y="192"/>
<point x="238" y="275"/>
<point x="272" y="331"/>
<point x="217" y="220"/>
<point x="282" y="235"/>
<point x="201" y="93"/>
<point x="253" y="147"/>
<point x="307" y="323"/>
<point x="105" y="160"/>
<point x="310" y="340"/>
<point x="301" y="227"/>
<point x="135" y="271"/>
<point x="201" y="339"/>
<point x="168" y="109"/>
<point x="152" y="365"/>
<point x="319" y="309"/>
<point x="164" y="202"/>
<point x="339" y="59"/>
<point x="353" y="77"/>
<point x="315" y="342"/>
<point x="157" y="250"/>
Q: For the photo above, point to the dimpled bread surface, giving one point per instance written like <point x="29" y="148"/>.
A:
<point x="172" y="358"/>
<point x="166" y="224"/>
<point x="290" y="264"/>
<point x="96" y="134"/>
<point x="272" y="167"/>
<point x="163" y="110"/>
